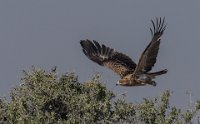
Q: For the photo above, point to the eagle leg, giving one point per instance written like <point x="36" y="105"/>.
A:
<point x="153" y="83"/>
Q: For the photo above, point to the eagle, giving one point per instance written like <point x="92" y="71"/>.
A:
<point x="131" y="74"/>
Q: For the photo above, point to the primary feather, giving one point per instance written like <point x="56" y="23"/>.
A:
<point x="108" y="57"/>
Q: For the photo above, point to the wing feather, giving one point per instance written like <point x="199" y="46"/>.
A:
<point x="108" y="57"/>
<point x="149" y="55"/>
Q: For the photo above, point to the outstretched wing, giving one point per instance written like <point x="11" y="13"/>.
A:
<point x="148" y="57"/>
<point x="108" y="57"/>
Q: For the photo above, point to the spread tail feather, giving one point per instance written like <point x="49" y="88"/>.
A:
<point x="158" y="72"/>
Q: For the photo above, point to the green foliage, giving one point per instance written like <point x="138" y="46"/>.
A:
<point x="44" y="97"/>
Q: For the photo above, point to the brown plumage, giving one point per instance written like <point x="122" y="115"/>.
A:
<point x="130" y="73"/>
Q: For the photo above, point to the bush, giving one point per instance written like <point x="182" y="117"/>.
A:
<point x="44" y="97"/>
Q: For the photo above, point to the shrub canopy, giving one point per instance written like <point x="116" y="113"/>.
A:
<point x="46" y="97"/>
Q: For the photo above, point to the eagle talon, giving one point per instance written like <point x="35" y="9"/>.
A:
<point x="154" y="83"/>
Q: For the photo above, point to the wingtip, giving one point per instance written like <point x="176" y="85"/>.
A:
<point x="159" y="25"/>
<point x="86" y="40"/>
<point x="164" y="71"/>
<point x="85" y="43"/>
<point x="81" y="42"/>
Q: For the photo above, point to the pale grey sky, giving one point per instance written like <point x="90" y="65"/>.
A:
<point x="47" y="33"/>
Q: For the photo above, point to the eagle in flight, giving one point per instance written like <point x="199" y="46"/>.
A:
<point x="131" y="74"/>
